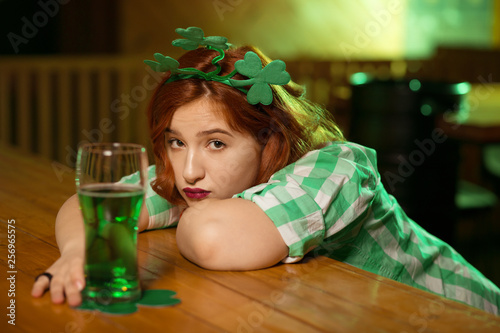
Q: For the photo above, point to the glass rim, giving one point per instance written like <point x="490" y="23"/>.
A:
<point x="115" y="147"/>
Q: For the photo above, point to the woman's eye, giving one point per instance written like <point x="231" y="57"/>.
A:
<point x="217" y="145"/>
<point x="174" y="143"/>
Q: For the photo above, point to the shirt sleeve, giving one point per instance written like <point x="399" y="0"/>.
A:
<point x="322" y="195"/>
<point x="162" y="214"/>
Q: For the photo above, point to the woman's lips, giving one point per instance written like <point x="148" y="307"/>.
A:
<point x="195" y="193"/>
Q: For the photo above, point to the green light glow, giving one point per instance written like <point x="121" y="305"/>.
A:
<point x="359" y="78"/>
<point x="415" y="85"/>
<point x="426" y="109"/>
<point x="462" y="88"/>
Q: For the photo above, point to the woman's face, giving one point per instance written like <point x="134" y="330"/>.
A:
<point x="209" y="159"/>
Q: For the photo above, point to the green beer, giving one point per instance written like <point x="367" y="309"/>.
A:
<point x="111" y="213"/>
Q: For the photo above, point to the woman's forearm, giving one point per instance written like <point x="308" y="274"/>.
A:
<point x="230" y="234"/>
<point x="70" y="232"/>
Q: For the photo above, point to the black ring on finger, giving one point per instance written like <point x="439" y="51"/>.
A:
<point x="47" y="274"/>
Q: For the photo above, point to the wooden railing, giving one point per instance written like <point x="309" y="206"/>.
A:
<point x="50" y="104"/>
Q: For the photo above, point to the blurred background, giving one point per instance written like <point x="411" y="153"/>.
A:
<point x="418" y="80"/>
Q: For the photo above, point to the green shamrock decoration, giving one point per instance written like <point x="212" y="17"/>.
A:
<point x="195" y="37"/>
<point x="164" y="63"/>
<point x="251" y="67"/>
<point x="158" y="297"/>
<point x="260" y="78"/>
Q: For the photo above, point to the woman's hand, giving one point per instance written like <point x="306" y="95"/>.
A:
<point x="67" y="279"/>
<point x="67" y="272"/>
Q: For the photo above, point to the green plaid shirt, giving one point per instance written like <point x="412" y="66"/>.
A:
<point x="332" y="202"/>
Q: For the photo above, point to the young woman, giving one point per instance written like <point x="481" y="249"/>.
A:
<point x="249" y="185"/>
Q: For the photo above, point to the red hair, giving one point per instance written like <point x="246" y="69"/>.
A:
<point x="287" y="129"/>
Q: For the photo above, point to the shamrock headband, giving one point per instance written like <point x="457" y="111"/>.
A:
<point x="251" y="66"/>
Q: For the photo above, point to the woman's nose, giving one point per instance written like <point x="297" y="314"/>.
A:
<point x="193" y="168"/>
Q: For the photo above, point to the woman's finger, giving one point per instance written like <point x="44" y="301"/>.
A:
<point x="73" y="295"/>
<point x="57" y="289"/>
<point x="40" y="286"/>
<point x="75" y="284"/>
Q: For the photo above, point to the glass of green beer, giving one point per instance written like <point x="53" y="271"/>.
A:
<point x="110" y="181"/>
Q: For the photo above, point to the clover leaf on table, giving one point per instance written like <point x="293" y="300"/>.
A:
<point x="149" y="298"/>
<point x="163" y="63"/>
<point x="260" y="78"/>
<point x="195" y="36"/>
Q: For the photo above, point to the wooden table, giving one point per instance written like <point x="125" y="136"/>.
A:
<point x="317" y="295"/>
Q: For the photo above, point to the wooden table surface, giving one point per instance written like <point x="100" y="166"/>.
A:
<point x="317" y="295"/>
